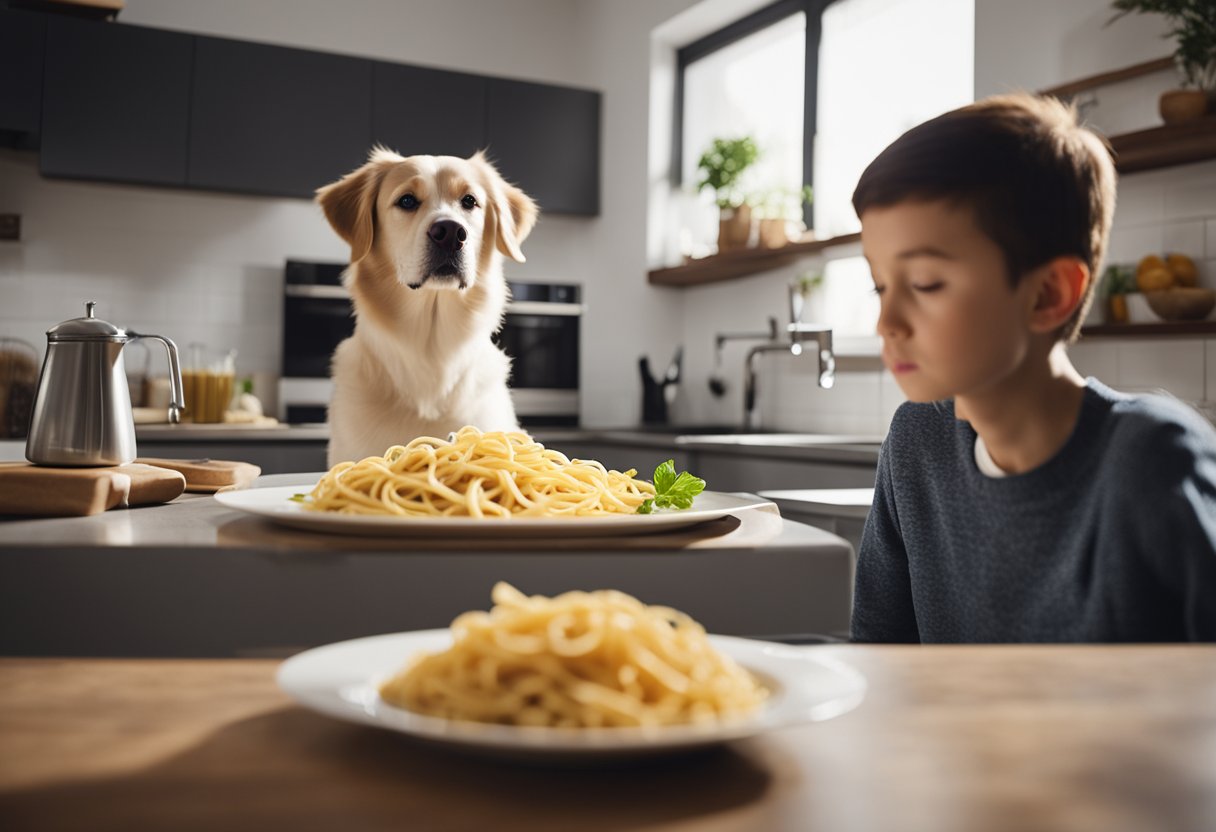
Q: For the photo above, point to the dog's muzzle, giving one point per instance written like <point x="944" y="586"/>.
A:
<point x="444" y="258"/>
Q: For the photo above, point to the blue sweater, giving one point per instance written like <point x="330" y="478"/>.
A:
<point x="1113" y="539"/>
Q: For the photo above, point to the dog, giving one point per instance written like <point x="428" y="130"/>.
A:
<point x="427" y="236"/>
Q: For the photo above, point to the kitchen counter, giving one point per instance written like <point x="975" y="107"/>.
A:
<point x="948" y="739"/>
<point x="194" y="578"/>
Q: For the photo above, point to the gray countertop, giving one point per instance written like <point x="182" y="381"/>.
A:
<point x="194" y="578"/>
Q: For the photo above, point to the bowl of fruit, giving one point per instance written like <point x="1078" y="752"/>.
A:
<point x="1171" y="288"/>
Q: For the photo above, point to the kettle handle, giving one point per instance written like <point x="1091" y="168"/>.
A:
<point x="178" y="402"/>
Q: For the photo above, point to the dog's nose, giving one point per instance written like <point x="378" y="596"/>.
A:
<point x="449" y="235"/>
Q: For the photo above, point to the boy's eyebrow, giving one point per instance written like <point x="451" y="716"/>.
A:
<point x="925" y="251"/>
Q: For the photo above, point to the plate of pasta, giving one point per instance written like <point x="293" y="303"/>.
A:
<point x="477" y="484"/>
<point x="582" y="674"/>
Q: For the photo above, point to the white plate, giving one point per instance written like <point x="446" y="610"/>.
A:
<point x="276" y="504"/>
<point x="342" y="680"/>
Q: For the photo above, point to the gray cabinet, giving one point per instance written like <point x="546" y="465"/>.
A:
<point x="115" y="102"/>
<point x="419" y="111"/>
<point x="131" y="104"/>
<point x="22" y="44"/>
<point x="274" y="120"/>
<point x="546" y="139"/>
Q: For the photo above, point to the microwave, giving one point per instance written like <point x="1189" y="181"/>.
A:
<point x="540" y="333"/>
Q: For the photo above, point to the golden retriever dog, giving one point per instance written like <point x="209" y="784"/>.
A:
<point x="427" y="236"/>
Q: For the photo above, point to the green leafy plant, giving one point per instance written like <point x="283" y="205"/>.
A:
<point x="1192" y="25"/>
<point x="1119" y="280"/>
<point x="721" y="166"/>
<point x="672" y="490"/>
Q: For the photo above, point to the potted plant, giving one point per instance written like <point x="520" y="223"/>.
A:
<point x="776" y="211"/>
<point x="720" y="167"/>
<point x="1193" y="26"/>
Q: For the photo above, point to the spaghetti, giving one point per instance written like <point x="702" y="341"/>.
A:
<point x="480" y="475"/>
<point x="580" y="660"/>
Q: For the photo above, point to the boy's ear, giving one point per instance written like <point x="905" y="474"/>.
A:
<point x="1061" y="286"/>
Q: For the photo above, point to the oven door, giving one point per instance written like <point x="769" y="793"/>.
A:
<point x="315" y="320"/>
<point x="542" y="340"/>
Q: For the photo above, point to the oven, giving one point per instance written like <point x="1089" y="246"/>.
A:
<point x="540" y="332"/>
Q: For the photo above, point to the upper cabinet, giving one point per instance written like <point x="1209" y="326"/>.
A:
<point x="22" y="40"/>
<point x="130" y="104"/>
<point x="275" y="120"/>
<point x="546" y="139"/>
<point x="116" y="102"/>
<point x="427" y="111"/>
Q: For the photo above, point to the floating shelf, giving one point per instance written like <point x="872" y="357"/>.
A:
<point x="748" y="261"/>
<point x="1165" y="146"/>
<point x="1169" y="328"/>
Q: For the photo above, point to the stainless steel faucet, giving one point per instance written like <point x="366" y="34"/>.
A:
<point x="800" y="336"/>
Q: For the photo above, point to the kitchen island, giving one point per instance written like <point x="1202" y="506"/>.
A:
<point x="947" y="739"/>
<point x="195" y="578"/>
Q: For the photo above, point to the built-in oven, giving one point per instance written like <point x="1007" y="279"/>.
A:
<point x="540" y="333"/>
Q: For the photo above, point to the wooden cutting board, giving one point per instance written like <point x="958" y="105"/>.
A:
<point x="69" y="492"/>
<point x="209" y="475"/>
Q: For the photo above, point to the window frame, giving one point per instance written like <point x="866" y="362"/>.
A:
<point x="733" y="32"/>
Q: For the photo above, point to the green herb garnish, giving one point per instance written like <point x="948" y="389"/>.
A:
<point x="672" y="490"/>
<point x="298" y="498"/>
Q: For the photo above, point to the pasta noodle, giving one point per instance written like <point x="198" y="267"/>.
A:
<point x="475" y="474"/>
<point x="580" y="660"/>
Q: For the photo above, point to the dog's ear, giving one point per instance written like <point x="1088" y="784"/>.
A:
<point x="350" y="206"/>
<point x="514" y="211"/>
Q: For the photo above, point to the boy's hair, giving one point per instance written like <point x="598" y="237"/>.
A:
<point x="1041" y="185"/>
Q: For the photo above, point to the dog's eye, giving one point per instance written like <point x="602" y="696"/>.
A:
<point x="409" y="202"/>
<point x="469" y="202"/>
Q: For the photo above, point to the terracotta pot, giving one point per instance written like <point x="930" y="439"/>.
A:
<point x="1180" y="106"/>
<point x="772" y="233"/>
<point x="734" y="228"/>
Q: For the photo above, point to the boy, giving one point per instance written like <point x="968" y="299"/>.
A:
<point x="1016" y="500"/>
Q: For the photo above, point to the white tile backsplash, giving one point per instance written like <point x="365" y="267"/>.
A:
<point x="1176" y="366"/>
<point x="1184" y="238"/>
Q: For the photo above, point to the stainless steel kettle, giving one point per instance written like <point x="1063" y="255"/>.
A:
<point x="82" y="410"/>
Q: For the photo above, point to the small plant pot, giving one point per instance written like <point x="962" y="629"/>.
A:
<point x="1181" y="106"/>
<point x="734" y="228"/>
<point x="773" y="233"/>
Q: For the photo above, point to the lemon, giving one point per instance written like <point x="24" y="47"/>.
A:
<point x="1183" y="269"/>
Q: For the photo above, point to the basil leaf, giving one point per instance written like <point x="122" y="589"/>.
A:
<point x="647" y="506"/>
<point x="664" y="476"/>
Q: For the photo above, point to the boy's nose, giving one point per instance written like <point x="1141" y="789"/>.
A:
<point x="890" y="323"/>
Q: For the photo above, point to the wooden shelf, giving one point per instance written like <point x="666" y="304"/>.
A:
<point x="732" y="264"/>
<point x="1165" y="146"/>
<point x="1149" y="330"/>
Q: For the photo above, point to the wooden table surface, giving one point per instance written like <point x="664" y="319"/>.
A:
<point x="948" y="738"/>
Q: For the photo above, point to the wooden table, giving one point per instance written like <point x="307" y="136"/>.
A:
<point x="949" y="738"/>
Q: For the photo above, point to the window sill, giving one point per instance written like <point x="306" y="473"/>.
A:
<point x="732" y="264"/>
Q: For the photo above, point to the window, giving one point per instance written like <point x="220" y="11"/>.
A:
<point x="822" y="86"/>
<point x="749" y="79"/>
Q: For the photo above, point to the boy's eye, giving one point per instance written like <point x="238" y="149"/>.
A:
<point x="928" y="287"/>
<point x="409" y="202"/>
<point x="469" y="202"/>
<point x="878" y="290"/>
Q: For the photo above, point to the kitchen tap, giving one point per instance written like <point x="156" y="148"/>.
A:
<point x="800" y="336"/>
